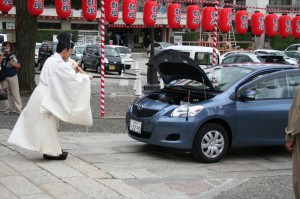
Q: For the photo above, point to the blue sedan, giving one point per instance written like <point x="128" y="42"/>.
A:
<point x="210" y="111"/>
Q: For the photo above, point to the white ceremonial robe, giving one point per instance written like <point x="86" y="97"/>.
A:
<point x="62" y="94"/>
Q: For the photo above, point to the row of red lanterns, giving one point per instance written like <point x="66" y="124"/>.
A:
<point x="283" y="25"/>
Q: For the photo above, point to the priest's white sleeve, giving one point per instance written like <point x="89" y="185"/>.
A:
<point x="68" y="96"/>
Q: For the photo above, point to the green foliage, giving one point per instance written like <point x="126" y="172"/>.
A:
<point x="246" y="37"/>
<point x="191" y="36"/>
<point x="279" y="43"/>
<point x="43" y="35"/>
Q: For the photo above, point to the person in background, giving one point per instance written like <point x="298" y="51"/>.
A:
<point x="11" y="66"/>
<point x="63" y="93"/>
<point x="293" y="141"/>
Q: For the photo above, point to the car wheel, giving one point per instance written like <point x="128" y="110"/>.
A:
<point x="98" y="70"/>
<point x="127" y="66"/>
<point x="82" y="66"/>
<point x="211" y="143"/>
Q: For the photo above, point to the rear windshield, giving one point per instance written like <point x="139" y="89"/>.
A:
<point x="272" y="59"/>
<point x="204" y="58"/>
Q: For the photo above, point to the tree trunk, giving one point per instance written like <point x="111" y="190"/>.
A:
<point x="26" y="28"/>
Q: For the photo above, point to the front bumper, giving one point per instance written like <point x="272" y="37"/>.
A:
<point x="162" y="130"/>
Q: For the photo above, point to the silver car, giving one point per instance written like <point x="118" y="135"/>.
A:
<point x="158" y="46"/>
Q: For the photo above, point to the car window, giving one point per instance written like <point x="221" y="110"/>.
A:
<point x="89" y="50"/>
<point x="242" y="59"/>
<point x="222" y="78"/>
<point x="123" y="50"/>
<point x="95" y="51"/>
<point x="111" y="52"/>
<point x="203" y="58"/>
<point x="228" y="60"/>
<point x="277" y="87"/>
<point x="79" y="50"/>
<point x="294" y="47"/>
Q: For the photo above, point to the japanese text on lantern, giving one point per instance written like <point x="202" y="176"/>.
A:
<point x="38" y="4"/>
<point x="177" y="17"/>
<point x="114" y="9"/>
<point x="154" y="13"/>
<point x="90" y="6"/>
<point x="132" y="10"/>
<point x="196" y="17"/>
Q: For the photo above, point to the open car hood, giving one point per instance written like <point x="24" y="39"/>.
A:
<point x="172" y="65"/>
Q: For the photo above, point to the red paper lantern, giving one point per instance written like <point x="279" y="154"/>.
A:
<point x="174" y="15"/>
<point x="241" y="21"/>
<point x="225" y="19"/>
<point x="258" y="23"/>
<point x="6" y="6"/>
<point x="89" y="9"/>
<point x="35" y="7"/>
<point x="193" y="17"/>
<point x="129" y="11"/>
<point x="208" y="18"/>
<point x="296" y="26"/>
<point x="284" y="25"/>
<point x="150" y="13"/>
<point x="111" y="10"/>
<point x="63" y="8"/>
<point x="271" y="23"/>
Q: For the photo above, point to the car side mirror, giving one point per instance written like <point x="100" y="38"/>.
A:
<point x="247" y="95"/>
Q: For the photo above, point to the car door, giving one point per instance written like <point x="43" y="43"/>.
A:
<point x="95" y="56"/>
<point x="263" y="119"/>
<point x="87" y="57"/>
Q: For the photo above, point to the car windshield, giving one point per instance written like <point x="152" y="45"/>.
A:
<point x="203" y="58"/>
<point x="111" y="52"/>
<point x="123" y="50"/>
<point x="79" y="50"/>
<point x="164" y="45"/>
<point x="224" y="77"/>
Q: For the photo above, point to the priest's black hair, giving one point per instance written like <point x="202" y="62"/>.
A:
<point x="65" y="41"/>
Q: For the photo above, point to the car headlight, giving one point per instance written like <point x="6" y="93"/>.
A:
<point x="185" y="110"/>
<point x="123" y="61"/>
<point x="105" y="60"/>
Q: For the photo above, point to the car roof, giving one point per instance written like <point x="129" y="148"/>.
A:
<point x="114" y="46"/>
<point x="196" y="48"/>
<point x="259" y="65"/>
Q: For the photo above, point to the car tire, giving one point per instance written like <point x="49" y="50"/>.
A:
<point x="82" y="66"/>
<point x="211" y="143"/>
<point x="127" y="66"/>
<point x="98" y="69"/>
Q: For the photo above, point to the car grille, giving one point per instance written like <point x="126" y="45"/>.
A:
<point x="144" y="134"/>
<point x="143" y="112"/>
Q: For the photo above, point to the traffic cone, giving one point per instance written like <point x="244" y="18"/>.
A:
<point x="123" y="81"/>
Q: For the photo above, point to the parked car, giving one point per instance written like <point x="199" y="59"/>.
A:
<point x="125" y="53"/>
<point x="200" y="54"/>
<point x="36" y="52"/>
<point x="253" y="57"/>
<point x="293" y="47"/>
<point x="293" y="54"/>
<point x="46" y="50"/>
<point x="158" y="47"/>
<point x="288" y="59"/>
<point x="78" y="50"/>
<point x="209" y="111"/>
<point x="112" y="60"/>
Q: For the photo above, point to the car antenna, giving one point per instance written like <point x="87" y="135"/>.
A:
<point x="188" y="108"/>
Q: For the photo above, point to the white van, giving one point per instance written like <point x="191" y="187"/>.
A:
<point x="202" y="55"/>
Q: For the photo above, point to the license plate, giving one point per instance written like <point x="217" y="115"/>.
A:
<point x="111" y="67"/>
<point x="135" y="126"/>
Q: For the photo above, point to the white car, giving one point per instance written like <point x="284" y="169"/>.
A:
<point x="242" y="57"/>
<point x="202" y="55"/>
<point x="285" y="55"/>
<point x="36" y="52"/>
<point x="125" y="53"/>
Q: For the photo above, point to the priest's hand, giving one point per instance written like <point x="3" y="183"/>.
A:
<point x="90" y="75"/>
<point x="289" y="145"/>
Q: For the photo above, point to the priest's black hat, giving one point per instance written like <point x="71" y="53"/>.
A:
<point x="66" y="38"/>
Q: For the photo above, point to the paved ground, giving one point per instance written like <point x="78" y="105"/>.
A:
<point x="105" y="163"/>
